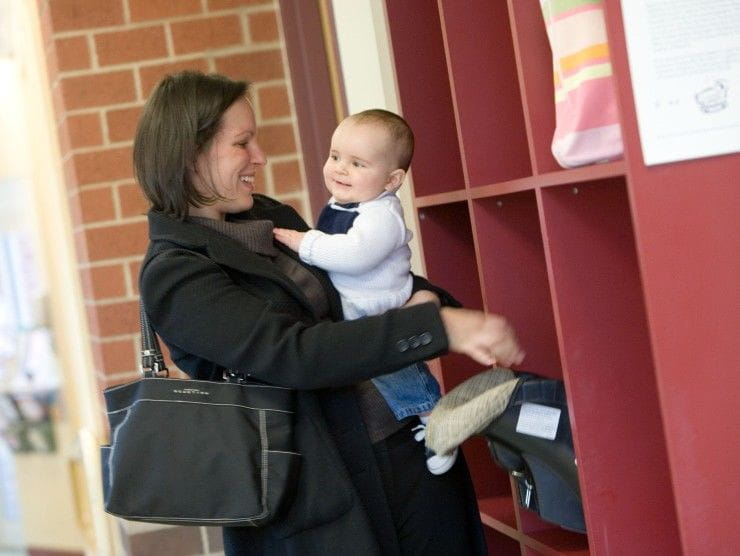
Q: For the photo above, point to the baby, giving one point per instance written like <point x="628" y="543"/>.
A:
<point x="361" y="240"/>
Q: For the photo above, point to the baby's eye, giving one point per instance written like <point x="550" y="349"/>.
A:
<point x="333" y="157"/>
<point x="357" y="164"/>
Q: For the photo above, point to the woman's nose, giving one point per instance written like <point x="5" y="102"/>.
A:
<point x="257" y="154"/>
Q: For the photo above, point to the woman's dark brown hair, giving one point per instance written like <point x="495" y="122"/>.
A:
<point x="180" y="119"/>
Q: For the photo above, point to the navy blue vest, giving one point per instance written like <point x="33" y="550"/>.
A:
<point x="333" y="221"/>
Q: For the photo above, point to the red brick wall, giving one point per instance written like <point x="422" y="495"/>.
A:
<point x="104" y="58"/>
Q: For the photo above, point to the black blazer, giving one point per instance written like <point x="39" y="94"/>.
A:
<point x="236" y="309"/>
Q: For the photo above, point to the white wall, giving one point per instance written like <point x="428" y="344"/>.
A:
<point x="368" y="72"/>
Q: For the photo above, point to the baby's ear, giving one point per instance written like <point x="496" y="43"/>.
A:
<point x="395" y="180"/>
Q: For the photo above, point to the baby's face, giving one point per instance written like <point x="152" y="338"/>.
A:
<point x="362" y="163"/>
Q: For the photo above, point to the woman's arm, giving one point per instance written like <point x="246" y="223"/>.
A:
<point x="195" y="306"/>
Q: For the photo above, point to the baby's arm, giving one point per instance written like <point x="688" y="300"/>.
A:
<point x="373" y="236"/>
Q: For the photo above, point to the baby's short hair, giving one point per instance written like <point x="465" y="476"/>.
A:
<point x="399" y="130"/>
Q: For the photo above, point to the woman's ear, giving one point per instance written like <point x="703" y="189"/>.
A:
<point x="395" y="180"/>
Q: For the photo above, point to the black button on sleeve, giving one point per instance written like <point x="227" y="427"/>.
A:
<point x="402" y="345"/>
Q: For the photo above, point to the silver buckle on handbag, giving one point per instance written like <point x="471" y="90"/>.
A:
<point x="230" y="375"/>
<point x="526" y="500"/>
<point x="152" y="364"/>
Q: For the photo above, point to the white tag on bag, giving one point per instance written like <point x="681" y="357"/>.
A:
<point x="538" y="420"/>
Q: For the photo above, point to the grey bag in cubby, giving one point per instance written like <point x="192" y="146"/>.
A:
<point x="525" y="421"/>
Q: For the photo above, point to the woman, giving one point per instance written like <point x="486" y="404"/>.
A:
<point x="222" y="295"/>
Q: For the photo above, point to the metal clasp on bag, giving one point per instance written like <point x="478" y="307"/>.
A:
<point x="152" y="364"/>
<point x="528" y="486"/>
<point x="230" y="375"/>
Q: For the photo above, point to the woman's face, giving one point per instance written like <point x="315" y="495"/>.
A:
<point x="228" y="166"/>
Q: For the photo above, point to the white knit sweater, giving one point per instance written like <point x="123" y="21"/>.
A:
<point x="370" y="264"/>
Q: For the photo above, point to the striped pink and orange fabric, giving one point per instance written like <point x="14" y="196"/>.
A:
<point x="587" y="120"/>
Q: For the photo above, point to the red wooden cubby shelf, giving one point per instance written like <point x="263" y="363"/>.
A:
<point x="592" y="266"/>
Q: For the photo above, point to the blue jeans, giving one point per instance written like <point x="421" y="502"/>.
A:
<point x="409" y="391"/>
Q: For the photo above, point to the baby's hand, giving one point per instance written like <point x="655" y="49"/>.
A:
<point x="289" y="238"/>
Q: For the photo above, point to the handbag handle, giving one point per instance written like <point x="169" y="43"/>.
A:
<point x="152" y="360"/>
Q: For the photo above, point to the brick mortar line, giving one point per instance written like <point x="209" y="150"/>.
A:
<point x="94" y="62"/>
<point x="169" y="41"/>
<point x="99" y="109"/>
<point x="126" y="12"/>
<point x="140" y="103"/>
<point x="105" y="147"/>
<point x="118" y="338"/>
<point x="117" y="210"/>
<point x="109" y="145"/>
<point x="124" y="181"/>
<point x="104" y="184"/>
<point x="128" y="279"/>
<point x="105" y="130"/>
<point x="134" y="25"/>
<point x="244" y="24"/>
<point x="214" y="53"/>
<point x="105" y="223"/>
<point x="122" y="261"/>
<point x="108" y="301"/>
<point x="105" y="377"/>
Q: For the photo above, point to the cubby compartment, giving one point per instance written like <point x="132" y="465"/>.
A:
<point x="514" y="275"/>
<point x="505" y="545"/>
<point x="451" y="263"/>
<point x="534" y="64"/>
<point x="422" y="75"/>
<point x="486" y="95"/>
<point x="492" y="486"/>
<point x="554" y="542"/>
<point x="447" y="240"/>
<point x="607" y="364"/>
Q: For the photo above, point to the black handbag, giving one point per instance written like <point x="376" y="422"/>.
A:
<point x="193" y="452"/>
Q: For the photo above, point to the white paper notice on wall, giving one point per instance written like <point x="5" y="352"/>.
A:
<point x="684" y="58"/>
<point x="538" y="420"/>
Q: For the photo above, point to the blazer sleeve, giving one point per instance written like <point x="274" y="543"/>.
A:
<point x="195" y="306"/>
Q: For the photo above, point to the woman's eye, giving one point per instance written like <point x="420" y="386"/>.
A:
<point x="333" y="157"/>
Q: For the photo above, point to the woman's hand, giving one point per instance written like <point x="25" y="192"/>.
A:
<point x="289" y="238"/>
<point x="488" y="339"/>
